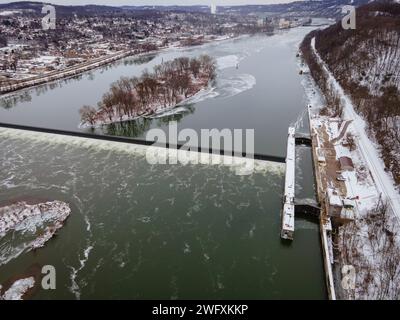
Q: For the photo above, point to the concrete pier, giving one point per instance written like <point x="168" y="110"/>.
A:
<point x="325" y="222"/>
<point x="288" y="211"/>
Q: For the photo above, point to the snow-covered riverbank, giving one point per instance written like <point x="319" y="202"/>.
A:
<point x="154" y="110"/>
<point x="361" y="197"/>
<point x="370" y="151"/>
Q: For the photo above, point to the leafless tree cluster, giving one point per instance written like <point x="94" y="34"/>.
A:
<point x="169" y="84"/>
<point x="350" y="141"/>
<point x="371" y="246"/>
<point x="333" y="106"/>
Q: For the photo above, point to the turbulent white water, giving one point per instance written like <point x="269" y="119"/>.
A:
<point x="120" y="147"/>
<point x="75" y="288"/>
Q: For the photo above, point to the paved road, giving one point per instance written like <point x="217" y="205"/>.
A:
<point x="383" y="180"/>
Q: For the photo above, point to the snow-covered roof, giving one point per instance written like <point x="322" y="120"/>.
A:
<point x="346" y="162"/>
<point x="288" y="217"/>
<point x="334" y="198"/>
<point x="290" y="165"/>
<point x="320" y="154"/>
<point x="349" y="203"/>
<point x="347" y="214"/>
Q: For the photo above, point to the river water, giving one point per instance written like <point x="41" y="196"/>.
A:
<point x="264" y="93"/>
<point x="150" y="231"/>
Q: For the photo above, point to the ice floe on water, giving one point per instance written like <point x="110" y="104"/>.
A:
<point x="225" y="62"/>
<point x="36" y="224"/>
<point x="75" y="288"/>
<point x="18" y="289"/>
<point x="202" y="95"/>
<point x="144" y="219"/>
<point x="224" y="88"/>
<point x="182" y="107"/>
<point x="232" y="86"/>
<point x="187" y="249"/>
<point x="7" y="183"/>
<point x="177" y="110"/>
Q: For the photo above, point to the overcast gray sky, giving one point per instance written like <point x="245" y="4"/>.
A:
<point x="161" y="2"/>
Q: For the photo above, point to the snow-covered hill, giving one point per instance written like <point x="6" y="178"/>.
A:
<point x="370" y="55"/>
<point x="307" y="8"/>
<point x="366" y="63"/>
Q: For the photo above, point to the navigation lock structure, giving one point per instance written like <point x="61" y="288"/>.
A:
<point x="183" y="153"/>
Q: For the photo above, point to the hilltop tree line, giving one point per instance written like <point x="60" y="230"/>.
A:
<point x="168" y="84"/>
<point x="378" y="278"/>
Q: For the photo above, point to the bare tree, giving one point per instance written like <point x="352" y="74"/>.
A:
<point x="88" y="114"/>
<point x="350" y="141"/>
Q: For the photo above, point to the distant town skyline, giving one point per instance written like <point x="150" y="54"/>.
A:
<point x="161" y="2"/>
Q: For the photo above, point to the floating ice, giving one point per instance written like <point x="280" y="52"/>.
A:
<point x="171" y="112"/>
<point x="225" y="62"/>
<point x="18" y="289"/>
<point x="201" y="96"/>
<point x="235" y="85"/>
<point x="75" y="289"/>
<point x="27" y="219"/>
<point x="225" y="88"/>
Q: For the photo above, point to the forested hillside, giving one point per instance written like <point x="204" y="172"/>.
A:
<point x="366" y="62"/>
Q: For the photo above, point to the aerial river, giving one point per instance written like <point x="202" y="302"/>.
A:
<point x="172" y="232"/>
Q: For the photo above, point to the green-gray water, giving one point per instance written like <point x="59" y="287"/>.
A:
<point x="142" y="231"/>
<point x="264" y="93"/>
